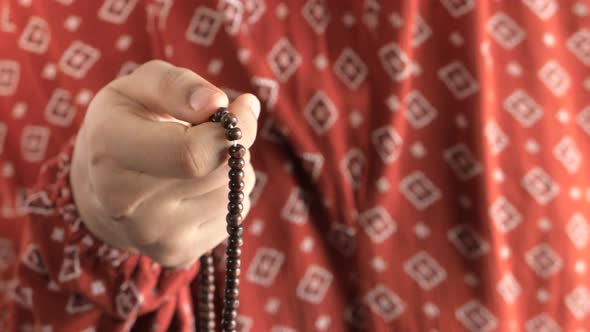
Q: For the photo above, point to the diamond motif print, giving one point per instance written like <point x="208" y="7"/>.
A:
<point x="505" y="30"/>
<point x="543" y="260"/>
<point x="9" y="77"/>
<point x="523" y="108"/>
<point x="467" y="241"/>
<point x="353" y="167"/>
<point x="579" y="44"/>
<point x="421" y="31"/>
<point x="497" y="139"/>
<point x="542" y="323"/>
<point x="462" y="161"/>
<point x="583" y="119"/>
<point x="476" y="318"/>
<point x="554" y="76"/>
<point x="59" y="110"/>
<point x="314" y="284"/>
<point x="545" y="9"/>
<point x="296" y="209"/>
<point x="425" y="270"/>
<point x="203" y="26"/>
<point x="419" y="111"/>
<point x="395" y="62"/>
<point x="578" y="230"/>
<point x="34" y="143"/>
<point x="265" y="266"/>
<point x="320" y="112"/>
<point x="458" y="79"/>
<point x="578" y="302"/>
<point x="458" y="7"/>
<point x="350" y="68"/>
<point x="116" y="11"/>
<point x="388" y="143"/>
<point x="419" y="190"/>
<point x="232" y="12"/>
<point x="540" y="185"/>
<point x="385" y="303"/>
<point x="316" y="14"/>
<point x="568" y="154"/>
<point x="509" y="288"/>
<point x="377" y="223"/>
<point x="284" y="59"/>
<point x="35" y="36"/>
<point x="504" y="215"/>
<point x="78" y="59"/>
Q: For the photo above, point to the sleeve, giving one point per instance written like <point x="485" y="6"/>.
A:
<point x="69" y="280"/>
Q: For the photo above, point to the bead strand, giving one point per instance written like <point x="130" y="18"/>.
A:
<point x="207" y="294"/>
<point x="236" y="185"/>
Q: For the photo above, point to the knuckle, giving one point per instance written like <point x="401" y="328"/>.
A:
<point x="173" y="77"/>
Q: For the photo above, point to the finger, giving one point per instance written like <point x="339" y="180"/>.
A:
<point x="247" y="108"/>
<point x="169" y="90"/>
<point x="163" y="149"/>
<point x="192" y="188"/>
<point x="206" y="206"/>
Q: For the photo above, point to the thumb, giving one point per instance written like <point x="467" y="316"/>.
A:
<point x="171" y="91"/>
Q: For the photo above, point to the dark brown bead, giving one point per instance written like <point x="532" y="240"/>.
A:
<point x="234" y="208"/>
<point x="233" y="134"/>
<point x="235" y="230"/>
<point x="233" y="252"/>
<point x="232" y="303"/>
<point x="233" y="282"/>
<point x="220" y="113"/>
<point x="229" y="120"/>
<point x="206" y="259"/>
<point x="230" y="314"/>
<point x="236" y="174"/>
<point x="229" y="324"/>
<point x="235" y="241"/>
<point x="237" y="163"/>
<point x="232" y="293"/>
<point x="236" y="185"/>
<point x="233" y="262"/>
<point x="233" y="272"/>
<point x="207" y="297"/>
<point x="235" y="196"/>
<point x="233" y="219"/>
<point x="237" y="151"/>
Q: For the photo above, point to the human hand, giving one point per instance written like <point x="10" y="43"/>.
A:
<point x="144" y="180"/>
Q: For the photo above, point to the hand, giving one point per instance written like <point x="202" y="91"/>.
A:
<point x="145" y="180"/>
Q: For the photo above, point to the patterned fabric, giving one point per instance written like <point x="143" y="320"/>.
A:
<point x="420" y="165"/>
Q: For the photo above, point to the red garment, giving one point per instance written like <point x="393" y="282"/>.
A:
<point x="421" y="165"/>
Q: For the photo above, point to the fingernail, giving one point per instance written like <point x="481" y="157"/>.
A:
<point x="255" y="106"/>
<point x="200" y="97"/>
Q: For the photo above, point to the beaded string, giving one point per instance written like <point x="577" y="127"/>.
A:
<point x="233" y="251"/>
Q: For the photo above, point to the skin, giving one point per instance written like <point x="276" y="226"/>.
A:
<point x="146" y="181"/>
